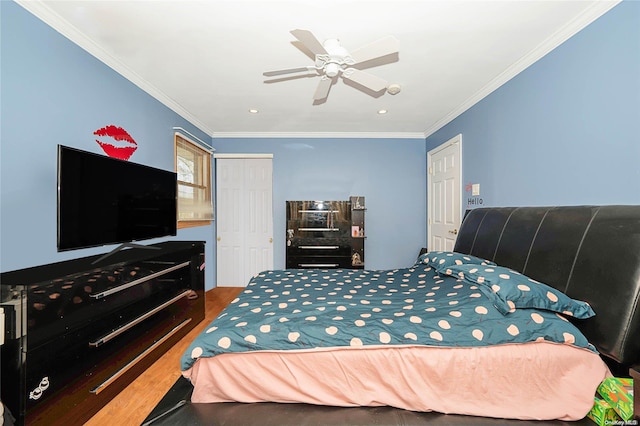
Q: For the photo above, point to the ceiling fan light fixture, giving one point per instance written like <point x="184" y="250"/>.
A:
<point x="332" y="69"/>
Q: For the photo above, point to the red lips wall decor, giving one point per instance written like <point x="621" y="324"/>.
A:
<point x="123" y="152"/>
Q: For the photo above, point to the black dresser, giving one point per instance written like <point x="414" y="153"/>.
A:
<point x="77" y="332"/>
<point x="325" y="234"/>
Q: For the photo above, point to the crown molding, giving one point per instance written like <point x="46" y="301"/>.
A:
<point x="589" y="15"/>
<point x="55" y="21"/>
<point x="325" y="135"/>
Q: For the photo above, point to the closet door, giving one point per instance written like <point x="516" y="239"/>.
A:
<point x="244" y="218"/>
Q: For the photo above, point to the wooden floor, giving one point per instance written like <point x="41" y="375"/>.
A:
<point x="138" y="399"/>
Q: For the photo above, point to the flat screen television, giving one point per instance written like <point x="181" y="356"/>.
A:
<point x="104" y="200"/>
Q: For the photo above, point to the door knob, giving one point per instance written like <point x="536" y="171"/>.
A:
<point x="454" y="232"/>
<point x="219" y="238"/>
<point x="270" y="240"/>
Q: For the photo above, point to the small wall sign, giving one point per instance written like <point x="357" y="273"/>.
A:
<point x="473" y="195"/>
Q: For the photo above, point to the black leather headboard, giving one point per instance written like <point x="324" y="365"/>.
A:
<point x="591" y="253"/>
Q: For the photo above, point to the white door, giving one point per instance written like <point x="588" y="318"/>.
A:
<point x="445" y="191"/>
<point x="244" y="218"/>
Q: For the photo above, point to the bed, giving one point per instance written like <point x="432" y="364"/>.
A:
<point x="529" y="312"/>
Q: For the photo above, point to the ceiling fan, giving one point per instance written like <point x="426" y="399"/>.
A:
<point x="333" y="61"/>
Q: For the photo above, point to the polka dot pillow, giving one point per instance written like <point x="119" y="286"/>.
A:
<point x="509" y="290"/>
<point x="443" y="259"/>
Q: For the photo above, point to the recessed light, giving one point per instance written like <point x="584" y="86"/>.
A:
<point x="253" y="111"/>
<point x="382" y="111"/>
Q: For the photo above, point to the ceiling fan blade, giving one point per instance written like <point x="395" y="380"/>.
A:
<point x="309" y="41"/>
<point x="288" y="71"/>
<point x="322" y="91"/>
<point x="365" y="79"/>
<point x="290" y="77"/>
<point x="383" y="47"/>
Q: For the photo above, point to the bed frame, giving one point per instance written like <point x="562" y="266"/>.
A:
<point x="591" y="253"/>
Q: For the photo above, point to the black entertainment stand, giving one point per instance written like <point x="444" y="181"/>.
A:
<point x="78" y="332"/>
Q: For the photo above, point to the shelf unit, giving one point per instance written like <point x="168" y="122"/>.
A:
<point x="358" y="234"/>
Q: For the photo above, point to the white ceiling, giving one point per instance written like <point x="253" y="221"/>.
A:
<point x="205" y="59"/>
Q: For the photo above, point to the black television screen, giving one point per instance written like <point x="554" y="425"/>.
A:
<point x="104" y="200"/>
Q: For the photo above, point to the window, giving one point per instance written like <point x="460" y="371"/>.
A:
<point x="193" y="165"/>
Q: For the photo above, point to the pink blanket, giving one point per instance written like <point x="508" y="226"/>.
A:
<point x="537" y="380"/>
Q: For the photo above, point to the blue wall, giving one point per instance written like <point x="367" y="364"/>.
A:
<point x="564" y="131"/>
<point x="53" y="92"/>
<point x="389" y="173"/>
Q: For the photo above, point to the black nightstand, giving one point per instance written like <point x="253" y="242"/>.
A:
<point x="634" y="372"/>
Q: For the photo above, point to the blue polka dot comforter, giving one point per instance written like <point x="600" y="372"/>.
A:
<point x="299" y="309"/>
